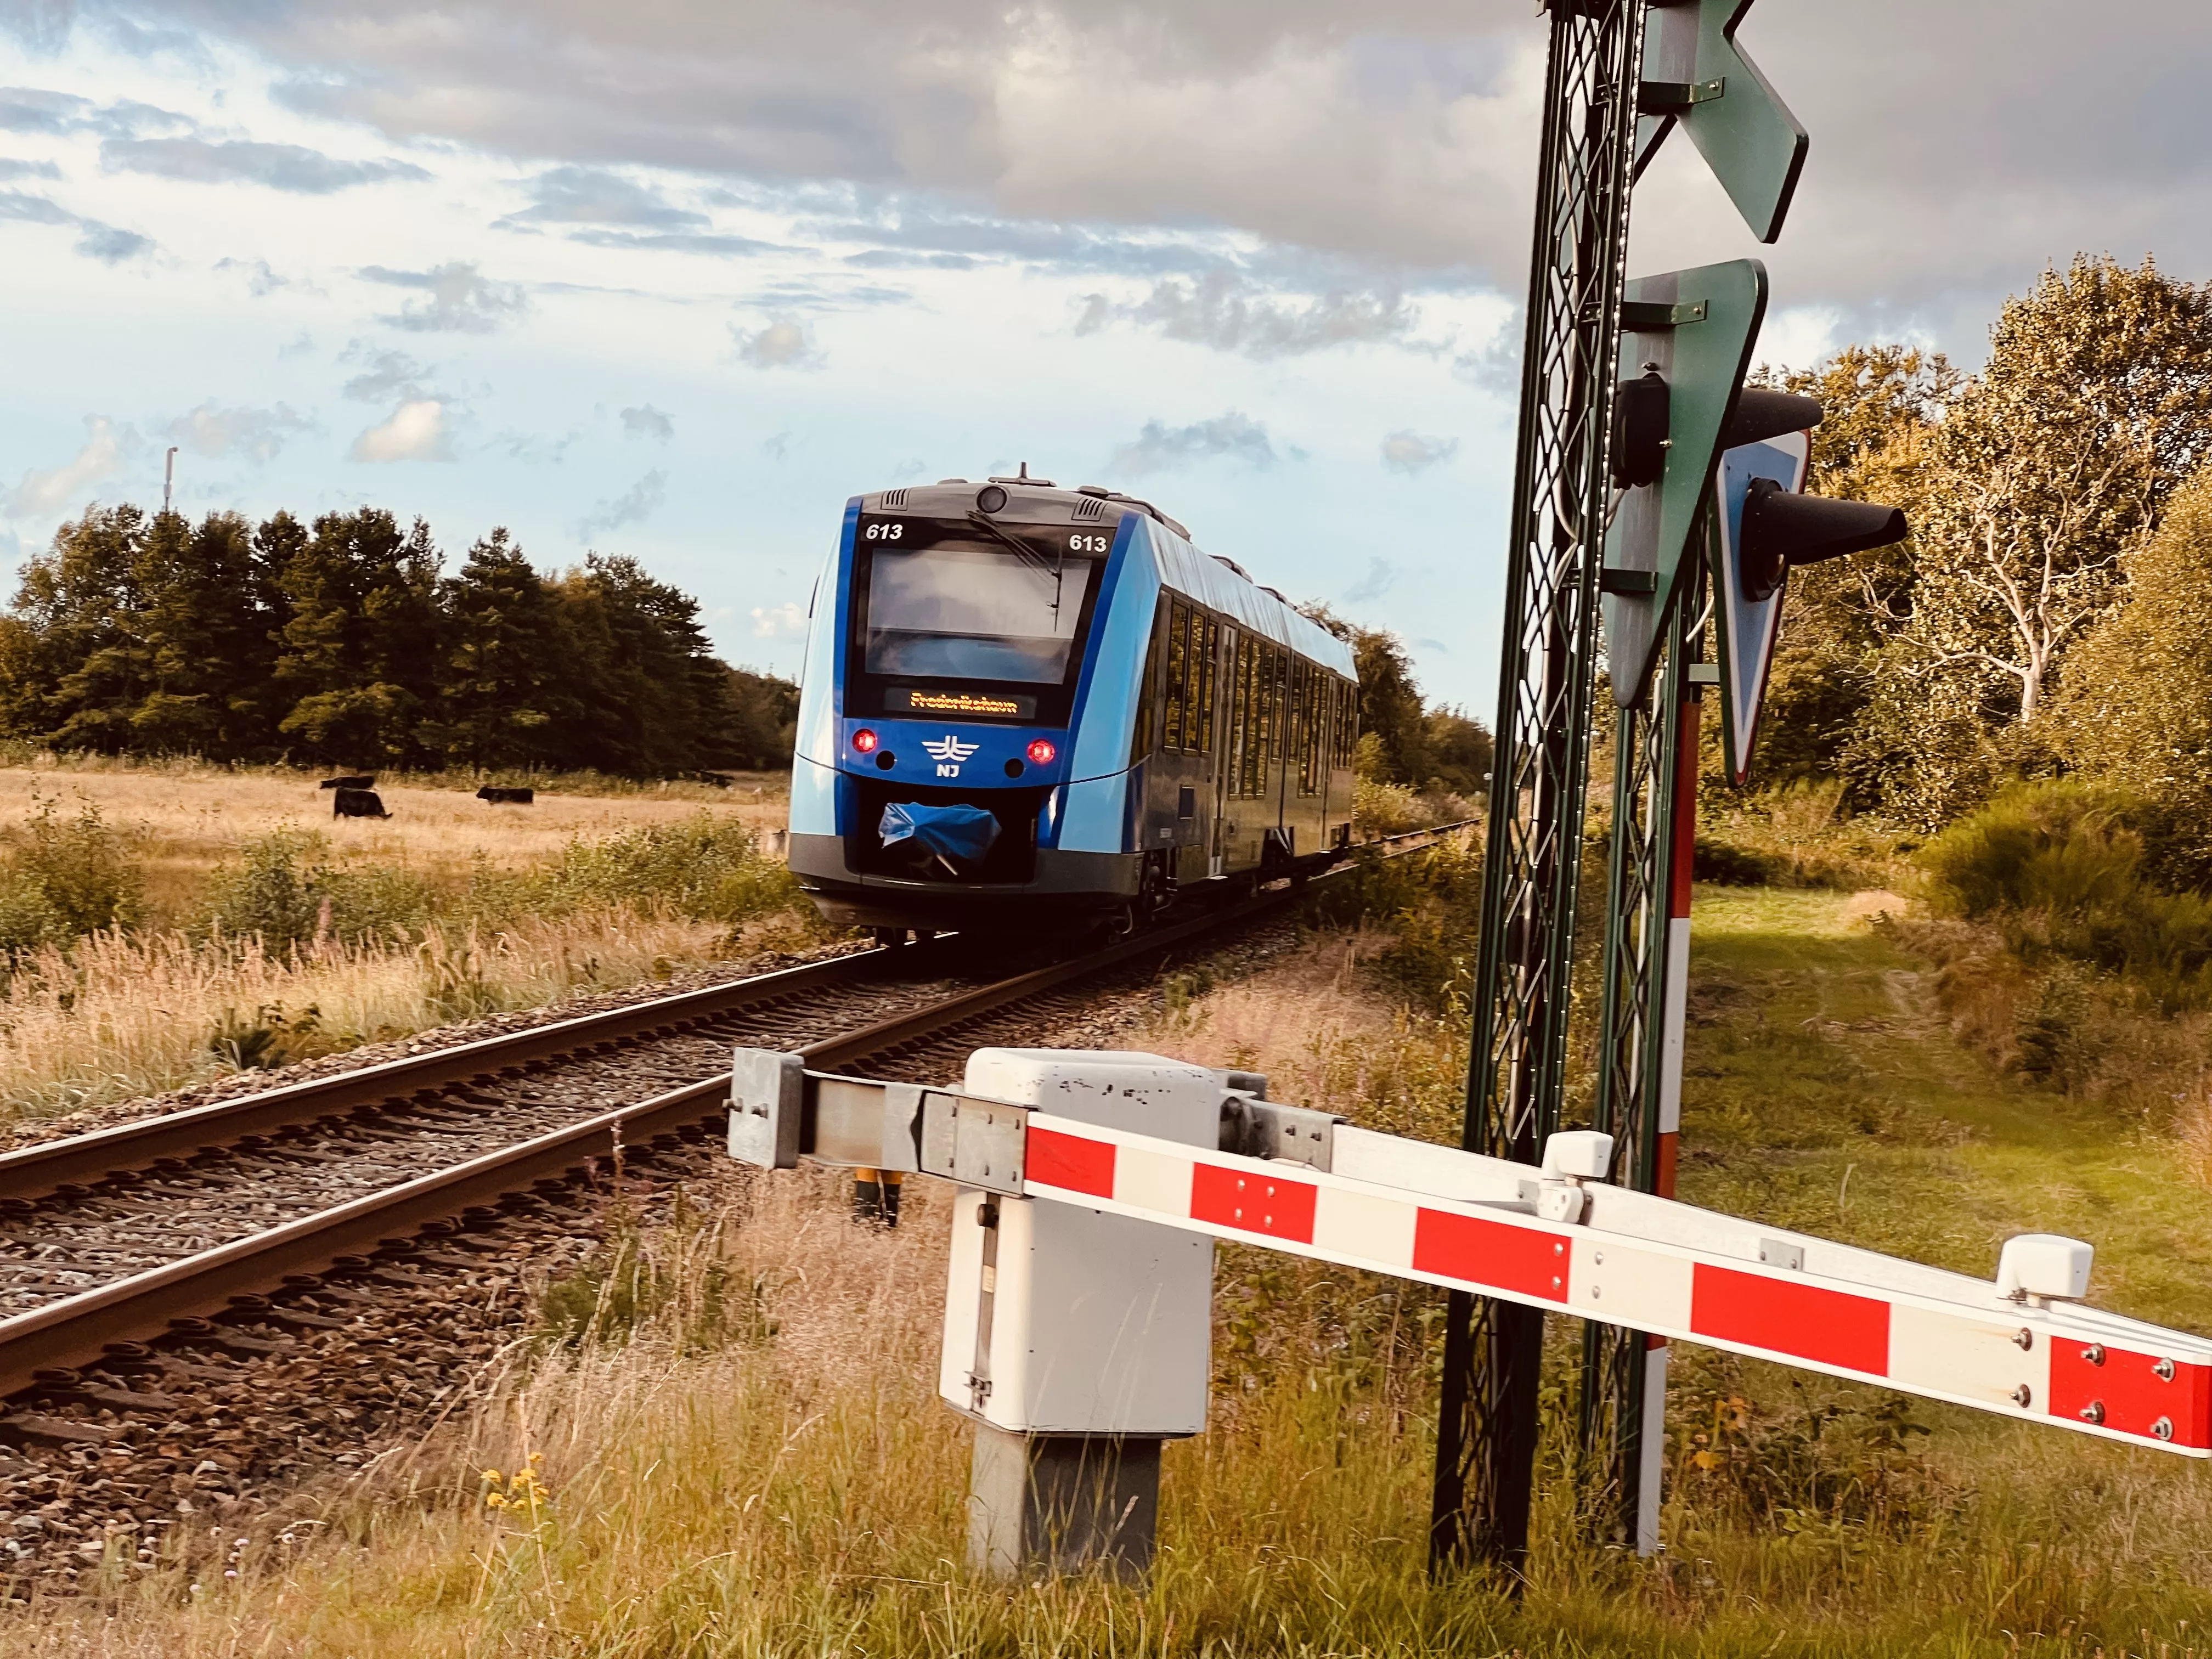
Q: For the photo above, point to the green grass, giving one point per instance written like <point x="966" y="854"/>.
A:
<point x="1816" y="1052"/>
<point x="799" y="1490"/>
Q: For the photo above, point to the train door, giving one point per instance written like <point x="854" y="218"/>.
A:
<point x="1306" y="782"/>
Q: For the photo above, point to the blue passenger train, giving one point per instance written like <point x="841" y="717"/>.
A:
<point x="1025" y="705"/>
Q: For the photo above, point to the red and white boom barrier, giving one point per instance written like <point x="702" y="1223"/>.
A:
<point x="1180" y="1148"/>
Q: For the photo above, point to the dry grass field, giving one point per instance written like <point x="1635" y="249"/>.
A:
<point x="184" y="818"/>
<point x="251" y="928"/>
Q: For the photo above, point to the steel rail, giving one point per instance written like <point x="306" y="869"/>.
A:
<point x="77" y="1330"/>
<point x="39" y="1170"/>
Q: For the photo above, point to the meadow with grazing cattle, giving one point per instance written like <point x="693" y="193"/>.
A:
<point x="163" y="922"/>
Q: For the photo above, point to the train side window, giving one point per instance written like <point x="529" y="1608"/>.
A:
<point x="1179" y="667"/>
<point x="1194" y="685"/>
<point x="1208" y="656"/>
<point x="1264" y="692"/>
<point x="1255" y="767"/>
<point x="1148" y="690"/>
<point x="1275" y="718"/>
<point x="1238" y="759"/>
<point x="1301" y="724"/>
<point x="1317" y="743"/>
<point x="1279" y="682"/>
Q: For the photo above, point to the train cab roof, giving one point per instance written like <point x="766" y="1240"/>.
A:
<point x="1218" y="584"/>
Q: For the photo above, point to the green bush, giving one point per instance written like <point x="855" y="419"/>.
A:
<point x="1726" y="865"/>
<point x="1430" y="963"/>
<point x="62" y="877"/>
<point x="286" y="888"/>
<point x="1810" y="1467"/>
<point x="2059" y="868"/>
<point x="704" y="867"/>
<point x="1802" y="833"/>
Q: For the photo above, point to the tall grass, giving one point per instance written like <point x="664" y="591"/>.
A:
<point x="117" y="1016"/>
<point x="723" y="1439"/>
<point x="1799" y="836"/>
<point x="1391" y="809"/>
<point x="294" y="950"/>
<point x="790" y="1485"/>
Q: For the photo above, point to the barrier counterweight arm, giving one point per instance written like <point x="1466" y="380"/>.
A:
<point x="1552" y="1237"/>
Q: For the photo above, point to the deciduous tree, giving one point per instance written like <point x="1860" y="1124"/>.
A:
<point x="2136" y="707"/>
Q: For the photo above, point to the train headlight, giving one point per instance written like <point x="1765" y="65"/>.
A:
<point x="864" y="741"/>
<point x="1041" y="751"/>
<point x="991" y="498"/>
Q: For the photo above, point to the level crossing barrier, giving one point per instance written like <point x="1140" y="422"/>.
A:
<point x="1078" y="1319"/>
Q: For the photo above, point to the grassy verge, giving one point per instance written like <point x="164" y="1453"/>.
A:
<point x="142" y="953"/>
<point x="750" y="1458"/>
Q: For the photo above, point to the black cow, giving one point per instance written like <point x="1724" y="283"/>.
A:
<point x="348" y="783"/>
<point x="357" y="804"/>
<point x="499" y="797"/>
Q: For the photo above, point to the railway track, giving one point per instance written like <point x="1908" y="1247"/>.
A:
<point x="168" y="1224"/>
<point x="199" y="1311"/>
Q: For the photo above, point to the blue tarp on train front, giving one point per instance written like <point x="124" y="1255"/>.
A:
<point x="958" y="834"/>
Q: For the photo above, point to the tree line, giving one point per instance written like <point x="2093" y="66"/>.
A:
<point x="347" y="643"/>
<point x="2051" y="615"/>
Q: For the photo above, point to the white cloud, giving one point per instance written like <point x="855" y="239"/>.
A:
<point x="459" y="298"/>
<point x="779" y="622"/>
<point x="786" y="343"/>
<point x="415" y="432"/>
<point x="385" y="374"/>
<point x="280" y="166"/>
<point x="591" y="196"/>
<point x="1159" y="445"/>
<point x="1229" y="312"/>
<point x="634" y="506"/>
<point x="109" y="244"/>
<point x="263" y="280"/>
<point x="646" y="422"/>
<point x="44" y="491"/>
<point x="213" y="431"/>
<point x="1410" y="453"/>
<point x="1381" y="573"/>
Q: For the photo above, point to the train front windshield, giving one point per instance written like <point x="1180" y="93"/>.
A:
<point x="952" y="619"/>
<point x="973" y="611"/>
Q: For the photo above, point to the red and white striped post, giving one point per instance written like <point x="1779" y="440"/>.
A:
<point x="1651" y="1449"/>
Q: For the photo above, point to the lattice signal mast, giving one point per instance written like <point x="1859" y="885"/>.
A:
<point x="1487" y="1429"/>
<point x="1635" y="459"/>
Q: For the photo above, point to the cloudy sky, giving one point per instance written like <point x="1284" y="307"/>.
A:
<point x="674" y="279"/>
